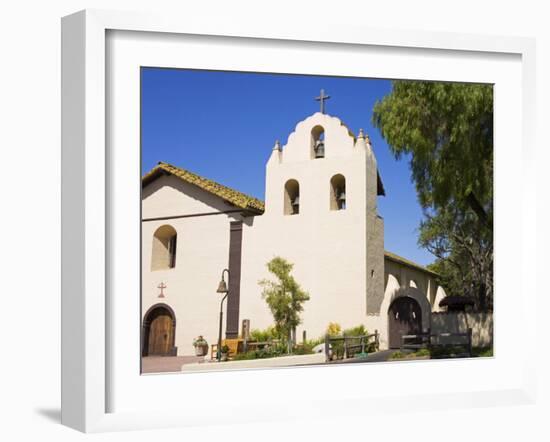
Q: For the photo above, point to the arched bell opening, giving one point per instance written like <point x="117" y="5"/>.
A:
<point x="292" y="198"/>
<point x="318" y="142"/>
<point x="338" y="192"/>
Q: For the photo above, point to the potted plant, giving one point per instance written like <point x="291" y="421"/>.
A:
<point x="201" y="346"/>
<point x="224" y="352"/>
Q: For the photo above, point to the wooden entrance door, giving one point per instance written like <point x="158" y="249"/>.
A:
<point x="159" y="329"/>
<point x="404" y="318"/>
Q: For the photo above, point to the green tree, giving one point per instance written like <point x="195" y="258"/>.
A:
<point x="464" y="251"/>
<point x="284" y="297"/>
<point x="446" y="132"/>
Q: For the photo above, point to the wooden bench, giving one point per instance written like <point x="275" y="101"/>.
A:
<point x="235" y="346"/>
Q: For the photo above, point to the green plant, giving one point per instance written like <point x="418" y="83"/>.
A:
<point x="358" y="330"/>
<point x="224" y="349"/>
<point x="305" y="348"/>
<point x="397" y="355"/>
<point x="199" y="341"/>
<point x="284" y="297"/>
<point x="423" y="352"/>
<point x="482" y="352"/>
<point x="266" y="335"/>
<point x="333" y="329"/>
<point x="270" y="352"/>
<point x="315" y="342"/>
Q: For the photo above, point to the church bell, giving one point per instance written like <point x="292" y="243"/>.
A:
<point x="319" y="149"/>
<point x="342" y="200"/>
<point x="296" y="204"/>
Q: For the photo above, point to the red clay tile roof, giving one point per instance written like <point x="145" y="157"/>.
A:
<point x="232" y="196"/>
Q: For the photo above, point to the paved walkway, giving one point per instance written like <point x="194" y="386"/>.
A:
<point x="165" y="364"/>
<point x="173" y="364"/>
<point x="379" y="356"/>
<point x="276" y="362"/>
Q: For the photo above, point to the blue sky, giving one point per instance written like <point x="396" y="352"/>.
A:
<point x="223" y="125"/>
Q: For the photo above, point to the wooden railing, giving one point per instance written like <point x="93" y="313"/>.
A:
<point x="434" y="340"/>
<point x="344" y="347"/>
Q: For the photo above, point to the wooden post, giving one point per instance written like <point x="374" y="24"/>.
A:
<point x="376" y="340"/>
<point x="327" y="347"/>
<point x="470" y="342"/>
<point x="345" y="356"/>
<point x="304" y="337"/>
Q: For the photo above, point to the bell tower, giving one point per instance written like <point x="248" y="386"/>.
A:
<point x="320" y="215"/>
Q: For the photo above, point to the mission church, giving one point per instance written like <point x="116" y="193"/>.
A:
<point x="320" y="213"/>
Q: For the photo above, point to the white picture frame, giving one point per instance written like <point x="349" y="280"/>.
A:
<point x="86" y="216"/>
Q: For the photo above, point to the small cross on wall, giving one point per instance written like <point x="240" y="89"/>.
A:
<point x="161" y="286"/>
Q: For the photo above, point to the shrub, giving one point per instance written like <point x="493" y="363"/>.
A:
<point x="482" y="352"/>
<point x="266" y="335"/>
<point x="270" y="352"/>
<point x="397" y="355"/>
<point x="302" y="349"/>
<point x="423" y="352"/>
<point x="359" y="330"/>
<point x="334" y="329"/>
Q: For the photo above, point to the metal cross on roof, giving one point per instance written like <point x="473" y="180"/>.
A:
<point x="322" y="97"/>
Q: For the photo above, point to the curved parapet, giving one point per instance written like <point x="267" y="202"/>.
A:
<point x="338" y="139"/>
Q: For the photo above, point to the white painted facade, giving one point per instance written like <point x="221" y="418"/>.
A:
<point x="338" y="255"/>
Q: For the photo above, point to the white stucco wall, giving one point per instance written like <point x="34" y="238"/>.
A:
<point x="327" y="247"/>
<point x="202" y="253"/>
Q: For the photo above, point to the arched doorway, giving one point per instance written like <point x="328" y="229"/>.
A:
<point x="159" y="331"/>
<point x="404" y="318"/>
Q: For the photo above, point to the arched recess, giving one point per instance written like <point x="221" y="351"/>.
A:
<point x="391" y="293"/>
<point x="292" y="198"/>
<point x="439" y="295"/>
<point x="164" y="248"/>
<point x="159" y="331"/>
<point x="418" y="283"/>
<point x="392" y="284"/>
<point x="404" y="318"/>
<point x="318" y="142"/>
<point x="338" y="192"/>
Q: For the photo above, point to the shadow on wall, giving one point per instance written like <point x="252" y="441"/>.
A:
<point x="459" y="322"/>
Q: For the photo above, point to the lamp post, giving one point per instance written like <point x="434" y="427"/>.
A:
<point x="222" y="288"/>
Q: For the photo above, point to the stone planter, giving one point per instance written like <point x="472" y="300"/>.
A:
<point x="224" y="356"/>
<point x="201" y="350"/>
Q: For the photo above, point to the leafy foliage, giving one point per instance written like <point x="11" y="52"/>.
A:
<point x="358" y="330"/>
<point x="446" y="132"/>
<point x="270" y="352"/>
<point x="268" y="334"/>
<point x="284" y="297"/>
<point x="448" y="129"/>
<point x="464" y="250"/>
<point x="333" y="328"/>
